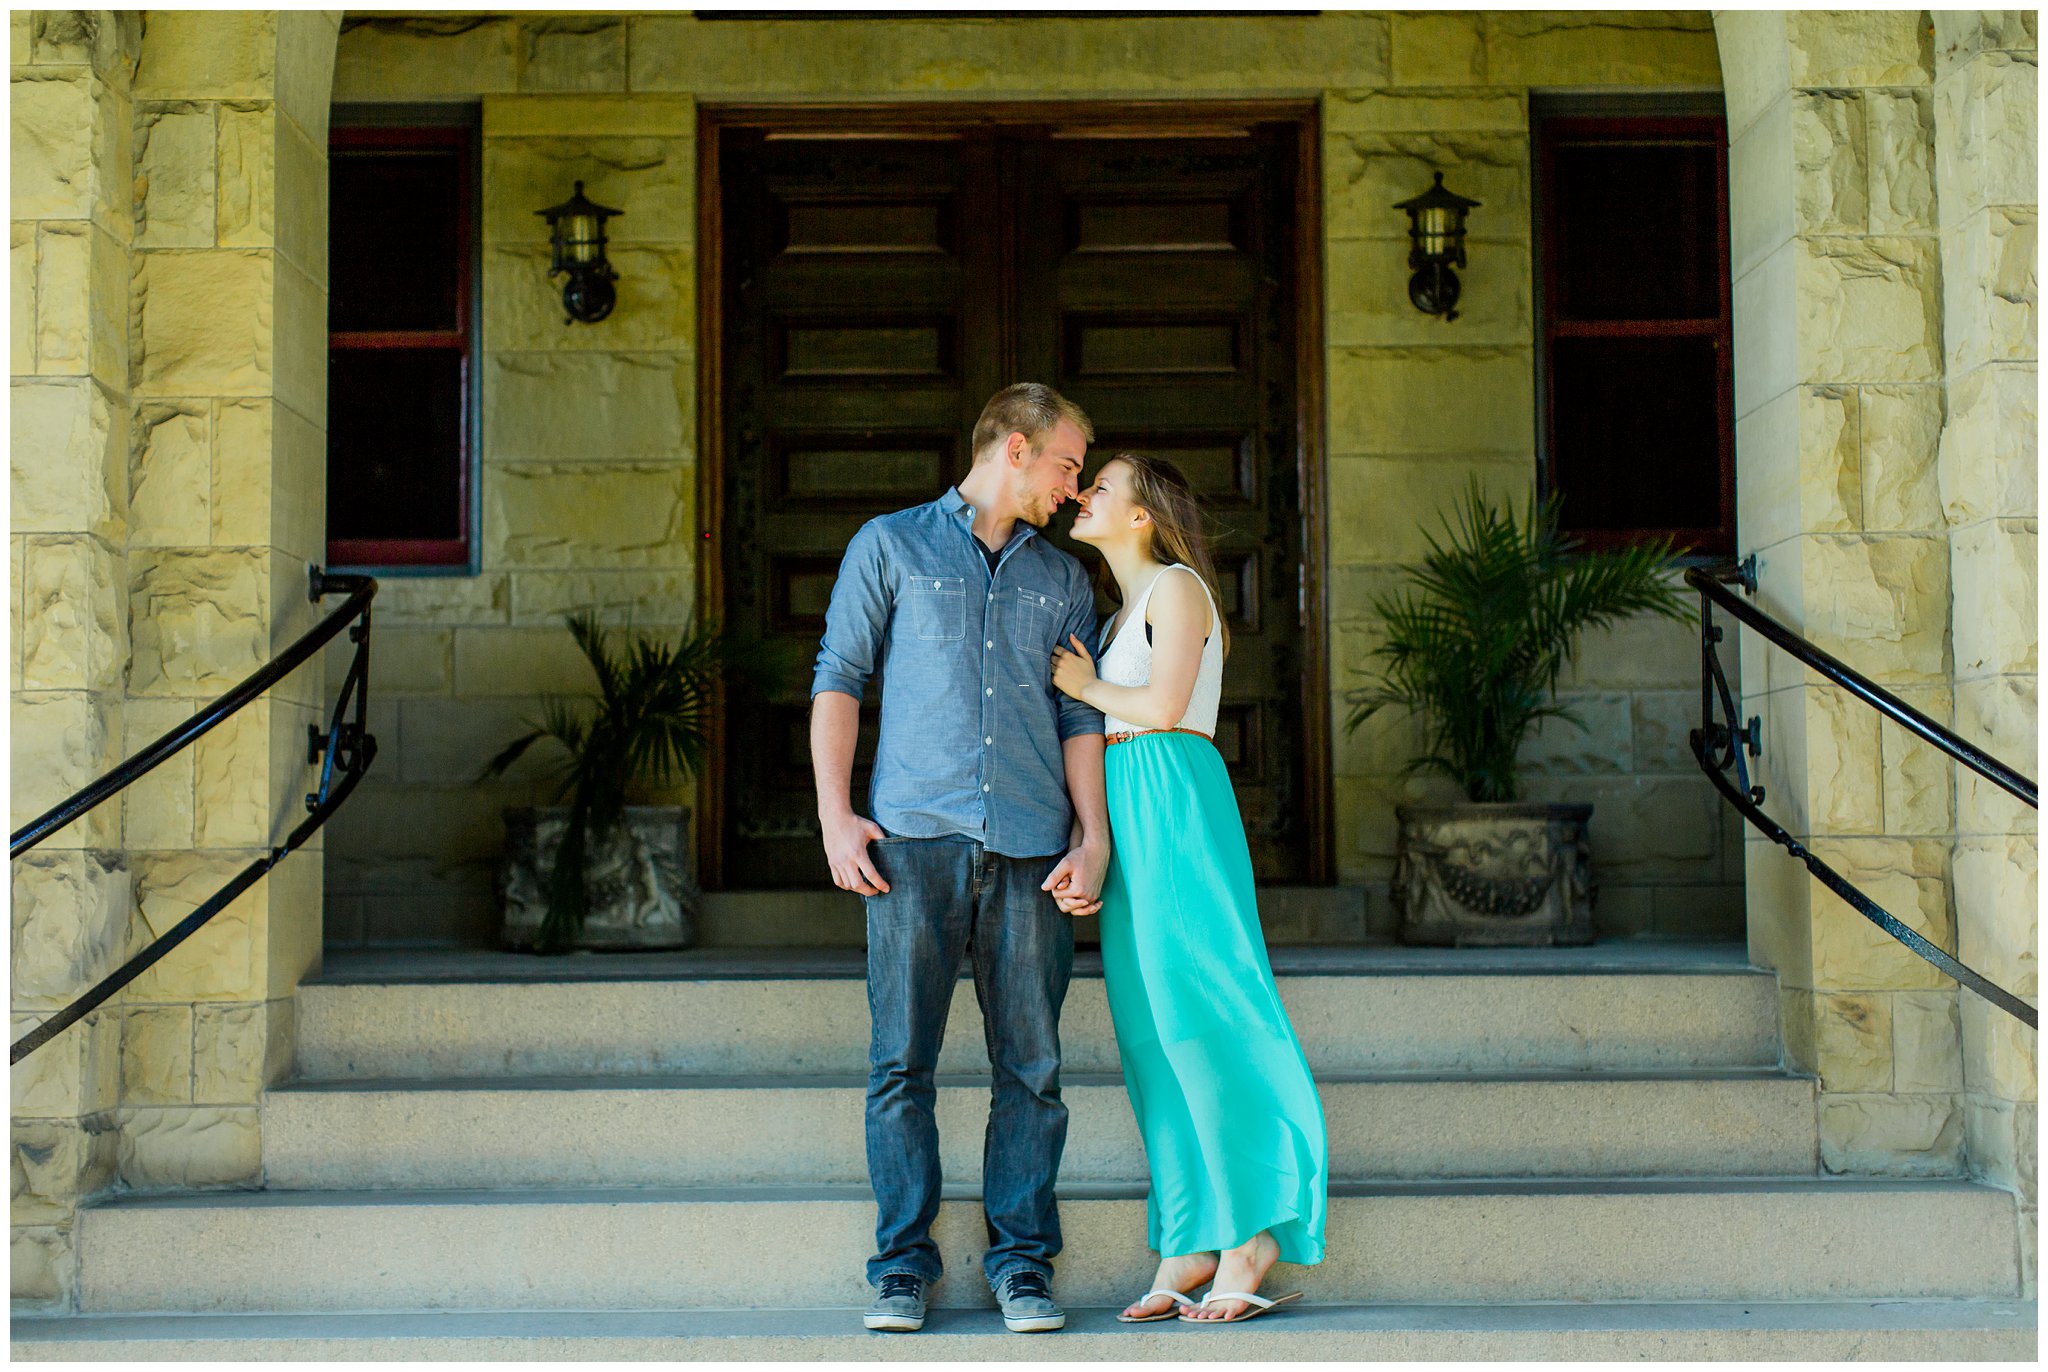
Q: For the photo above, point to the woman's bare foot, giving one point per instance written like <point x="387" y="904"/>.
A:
<point x="1239" y="1269"/>
<point x="1181" y="1274"/>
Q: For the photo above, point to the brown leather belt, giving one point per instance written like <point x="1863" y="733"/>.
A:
<point x="1126" y="735"/>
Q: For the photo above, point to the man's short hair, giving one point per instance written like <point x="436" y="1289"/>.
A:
<point x="1029" y="408"/>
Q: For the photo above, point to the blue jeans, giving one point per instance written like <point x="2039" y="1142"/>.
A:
<point x="948" y="896"/>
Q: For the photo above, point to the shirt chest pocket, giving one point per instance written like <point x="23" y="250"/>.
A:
<point x="1039" y="615"/>
<point x="938" y="608"/>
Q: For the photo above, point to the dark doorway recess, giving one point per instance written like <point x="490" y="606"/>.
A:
<point x="874" y="275"/>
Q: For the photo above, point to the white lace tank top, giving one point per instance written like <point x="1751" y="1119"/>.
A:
<point x="1127" y="661"/>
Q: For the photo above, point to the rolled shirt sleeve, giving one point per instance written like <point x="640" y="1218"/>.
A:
<point x="1077" y="716"/>
<point x="857" y="619"/>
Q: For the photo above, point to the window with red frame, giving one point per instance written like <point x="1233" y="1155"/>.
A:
<point x="401" y="413"/>
<point x="1636" y="387"/>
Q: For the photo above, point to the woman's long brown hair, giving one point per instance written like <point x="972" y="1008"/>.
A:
<point x="1159" y="488"/>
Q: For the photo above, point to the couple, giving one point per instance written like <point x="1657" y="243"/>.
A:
<point x="1000" y="812"/>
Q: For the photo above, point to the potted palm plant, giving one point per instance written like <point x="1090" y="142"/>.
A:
<point x="1477" y="637"/>
<point x="596" y="872"/>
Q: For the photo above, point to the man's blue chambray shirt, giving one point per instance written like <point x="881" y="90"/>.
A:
<point x="971" y="724"/>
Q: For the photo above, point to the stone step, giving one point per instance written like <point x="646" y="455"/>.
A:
<point x="713" y="1131"/>
<point x="1757" y="1331"/>
<point x="788" y="1246"/>
<point x="1369" y="1010"/>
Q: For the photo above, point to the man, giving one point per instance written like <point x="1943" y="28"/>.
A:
<point x="989" y="832"/>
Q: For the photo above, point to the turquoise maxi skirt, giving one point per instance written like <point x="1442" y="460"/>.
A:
<point x="1232" y="1125"/>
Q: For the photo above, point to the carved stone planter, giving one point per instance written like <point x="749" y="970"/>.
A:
<point x="642" y="878"/>
<point x="1495" y="875"/>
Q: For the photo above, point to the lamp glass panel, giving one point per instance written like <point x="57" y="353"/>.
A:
<point x="580" y="236"/>
<point x="1637" y="432"/>
<point x="394" y="235"/>
<point x="1638" y="230"/>
<point x="394" y="443"/>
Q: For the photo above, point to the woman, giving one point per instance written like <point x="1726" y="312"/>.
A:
<point x="1232" y="1126"/>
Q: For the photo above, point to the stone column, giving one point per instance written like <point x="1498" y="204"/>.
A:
<point x="1985" y="132"/>
<point x="68" y="457"/>
<point x="227" y="479"/>
<point x="1838" y="390"/>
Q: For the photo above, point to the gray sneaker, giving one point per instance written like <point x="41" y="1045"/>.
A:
<point x="1028" y="1306"/>
<point x="899" y="1308"/>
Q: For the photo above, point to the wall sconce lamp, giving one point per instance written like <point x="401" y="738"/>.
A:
<point x="576" y="234"/>
<point x="1436" y="238"/>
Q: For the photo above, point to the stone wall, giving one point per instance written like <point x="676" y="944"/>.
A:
<point x="168" y="463"/>
<point x="1986" y="123"/>
<point x="1884" y="245"/>
<point x="590" y="432"/>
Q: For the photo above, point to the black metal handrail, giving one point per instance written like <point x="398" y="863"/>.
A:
<point x="1720" y="745"/>
<point x="346" y="748"/>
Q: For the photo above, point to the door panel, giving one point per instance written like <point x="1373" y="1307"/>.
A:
<point x="877" y="291"/>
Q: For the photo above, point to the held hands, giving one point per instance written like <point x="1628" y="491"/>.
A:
<point x="846" y="849"/>
<point x="1076" y="881"/>
<point x="1073" y="672"/>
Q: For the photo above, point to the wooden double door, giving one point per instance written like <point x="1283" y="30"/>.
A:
<point x="876" y="290"/>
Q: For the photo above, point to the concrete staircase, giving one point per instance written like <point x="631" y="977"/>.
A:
<point x="1587" y="1153"/>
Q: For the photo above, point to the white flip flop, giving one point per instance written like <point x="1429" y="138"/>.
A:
<point x="1181" y="1297"/>
<point x="1259" y="1305"/>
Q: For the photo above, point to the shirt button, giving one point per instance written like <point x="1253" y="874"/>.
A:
<point x="991" y="595"/>
<point x="984" y="786"/>
<point x="988" y="690"/>
<point x="991" y="643"/>
<point x="989" y="741"/>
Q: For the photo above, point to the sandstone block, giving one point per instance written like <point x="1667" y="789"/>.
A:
<point x="196" y="55"/>
<point x="106" y="42"/>
<point x="1661" y="722"/>
<point x="1960" y="35"/>
<point x="1927" y="1049"/>
<point x="1769" y="339"/>
<point x="65" y="450"/>
<point x="1761" y="217"/>
<point x="298" y="480"/>
<point x="1700" y="912"/>
<point x="639" y="115"/>
<point x="230" y="1046"/>
<point x="461" y="56"/>
<point x="52" y="174"/>
<point x="1755" y="63"/>
<point x="616" y="598"/>
<point x="200" y="620"/>
<point x="62" y="740"/>
<point x="175" y="175"/>
<point x="1437" y="49"/>
<point x="1918" y="777"/>
<point x="237" y="771"/>
<point x="170" y="477"/>
<point x="222" y="961"/>
<point x="300" y="341"/>
<point x="657" y="309"/>
<point x="1781" y="901"/>
<point x="1644" y="829"/>
<point x="1802" y="465"/>
<point x="1638" y="653"/>
<point x="20" y="35"/>
<point x="1843" y="784"/>
<point x="74" y="633"/>
<point x="581" y="53"/>
<point x="305" y="72"/>
<point x="1367" y="291"/>
<point x="1425" y="110"/>
<point x="1381" y="507"/>
<point x="1830" y="159"/>
<point x="1796" y="1027"/>
<point x="1989" y="1140"/>
<point x="1605" y="744"/>
<point x="1365" y="174"/>
<point x="1997" y="888"/>
<point x="589" y="516"/>
<point x="1900" y="434"/>
<point x="1419" y="401"/>
<point x="1988" y="450"/>
<point x="1997" y="714"/>
<point x="403" y="661"/>
<point x="2000" y="1054"/>
<point x="1611" y="47"/>
<point x="156" y="1055"/>
<point x="157" y="810"/>
<point x="200" y="1145"/>
<point x="21" y="312"/>
<point x="1869" y="309"/>
<point x="1908" y="878"/>
<point x="1880" y="604"/>
<point x="1860" y="48"/>
<point x="1901" y="160"/>
<point x="64" y="303"/>
<point x="40" y="1266"/>
<point x="1381" y="746"/>
<point x="73" y="1075"/>
<point x="591" y="407"/>
<point x="1992" y="566"/>
<point x="654" y="179"/>
<point x="246" y="212"/>
<point x="1985" y="115"/>
<point x="520" y="662"/>
<point x="300" y="199"/>
<point x="291" y="944"/>
<point x="1989" y="288"/>
<point x="1853" y="1042"/>
<point x="444" y="600"/>
<point x="54" y="1162"/>
<point x="203" y="323"/>
<point x="447" y="825"/>
<point x="449" y="741"/>
<point x="1895" y="1136"/>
